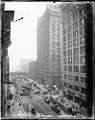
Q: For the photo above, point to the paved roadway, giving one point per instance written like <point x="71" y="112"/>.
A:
<point x="38" y="103"/>
<point x="41" y="106"/>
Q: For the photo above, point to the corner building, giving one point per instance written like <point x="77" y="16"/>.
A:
<point x="49" y="57"/>
<point x="6" y="18"/>
<point x="75" y="20"/>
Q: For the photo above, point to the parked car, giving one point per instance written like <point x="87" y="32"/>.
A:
<point x="53" y="100"/>
<point x="37" y="92"/>
<point x="47" y="100"/>
<point x="56" y="108"/>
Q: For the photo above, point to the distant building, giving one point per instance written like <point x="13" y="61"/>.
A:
<point x="33" y="70"/>
<point x="48" y="45"/>
<point x="24" y="65"/>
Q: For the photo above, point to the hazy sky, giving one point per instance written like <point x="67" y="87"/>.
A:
<point x="24" y="32"/>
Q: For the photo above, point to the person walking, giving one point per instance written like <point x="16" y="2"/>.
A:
<point x="13" y="104"/>
<point x="33" y="111"/>
<point x="19" y="104"/>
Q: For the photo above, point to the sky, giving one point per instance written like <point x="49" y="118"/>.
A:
<point x="24" y="32"/>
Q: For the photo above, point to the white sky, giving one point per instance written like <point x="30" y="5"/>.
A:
<point x="24" y="32"/>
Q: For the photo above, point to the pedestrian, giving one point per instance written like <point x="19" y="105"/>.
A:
<point x="8" y="108"/>
<point x="19" y="104"/>
<point x="33" y="111"/>
<point x="13" y="104"/>
<point x="73" y="106"/>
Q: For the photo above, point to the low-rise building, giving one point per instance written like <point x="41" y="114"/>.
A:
<point x="24" y="65"/>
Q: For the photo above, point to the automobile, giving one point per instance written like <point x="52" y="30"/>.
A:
<point x="70" y="111"/>
<point x="37" y="92"/>
<point x="56" y="108"/>
<point x="47" y="100"/>
<point x="53" y="100"/>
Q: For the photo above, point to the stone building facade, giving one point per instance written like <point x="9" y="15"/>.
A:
<point x="6" y="18"/>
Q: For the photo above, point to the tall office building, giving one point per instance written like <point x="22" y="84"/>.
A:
<point x="48" y="45"/>
<point x="33" y="70"/>
<point x="76" y="53"/>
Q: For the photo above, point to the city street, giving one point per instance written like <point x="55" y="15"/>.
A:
<point x="45" y="61"/>
<point x="21" y="105"/>
<point x="41" y="107"/>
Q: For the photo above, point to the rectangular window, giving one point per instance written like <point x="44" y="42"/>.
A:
<point x="70" y="86"/>
<point x="65" y="60"/>
<point x="83" y="79"/>
<point x="76" y="78"/>
<point x="65" y="84"/>
<point x="75" y="34"/>
<point x="69" y="7"/>
<point x="64" y="46"/>
<point x="83" y="59"/>
<point x="69" y="52"/>
<point x="82" y="21"/>
<point x="69" y="12"/>
<point x="65" y="76"/>
<point x="75" y="25"/>
<point x="64" y="39"/>
<point x="83" y="69"/>
<point x="76" y="99"/>
<point x="83" y="90"/>
<point x="64" y="31"/>
<point x="69" y="37"/>
<point x="69" y="29"/>
<point x="76" y="60"/>
<point x="82" y="31"/>
<point x="69" y="44"/>
<point x="64" y="53"/>
<point x="82" y="50"/>
<point x="82" y="40"/>
<point x="75" y="16"/>
<point x="76" y="7"/>
<point x="69" y="68"/>
<point x="70" y="60"/>
<point x="69" y="21"/>
<point x="75" y="43"/>
<point x="65" y="68"/>
<point x="76" y="88"/>
<point x="70" y="77"/>
<point x="82" y="12"/>
<point x="76" y="68"/>
<point x="64" y="24"/>
<point x="76" y="51"/>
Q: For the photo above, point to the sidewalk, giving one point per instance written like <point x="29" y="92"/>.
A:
<point x="17" y="110"/>
<point x="68" y="103"/>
